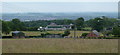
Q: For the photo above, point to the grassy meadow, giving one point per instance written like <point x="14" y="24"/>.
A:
<point x="38" y="33"/>
<point x="59" y="45"/>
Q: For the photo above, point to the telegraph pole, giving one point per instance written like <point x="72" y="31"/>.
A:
<point x="75" y="29"/>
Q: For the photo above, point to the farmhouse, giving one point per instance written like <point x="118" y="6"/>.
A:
<point x="18" y="34"/>
<point x="54" y="26"/>
<point x="94" y="33"/>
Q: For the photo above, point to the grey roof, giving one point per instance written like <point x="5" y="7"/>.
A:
<point x="96" y="32"/>
<point x="16" y="32"/>
<point x="53" y="24"/>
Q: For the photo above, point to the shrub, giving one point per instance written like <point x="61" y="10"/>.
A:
<point x="66" y="32"/>
<point x="84" y="34"/>
<point x="47" y="34"/>
<point x="116" y="31"/>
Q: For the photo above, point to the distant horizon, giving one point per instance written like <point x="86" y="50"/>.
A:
<point x="52" y="16"/>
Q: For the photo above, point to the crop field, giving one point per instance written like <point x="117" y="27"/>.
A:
<point x="59" y="45"/>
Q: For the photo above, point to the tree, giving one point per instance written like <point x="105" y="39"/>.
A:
<point x="5" y="28"/>
<point x="17" y="25"/>
<point x="84" y="34"/>
<point x="0" y="27"/>
<point x="105" y="21"/>
<point x="97" y="24"/>
<point x="108" y="22"/>
<point x="66" y="32"/>
<point x="79" y="23"/>
<point x="116" y="31"/>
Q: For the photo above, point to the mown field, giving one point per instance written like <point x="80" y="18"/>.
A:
<point x="38" y="33"/>
<point x="59" y="45"/>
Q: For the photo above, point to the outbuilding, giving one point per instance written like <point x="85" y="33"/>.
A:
<point x="94" y="33"/>
<point x="18" y="34"/>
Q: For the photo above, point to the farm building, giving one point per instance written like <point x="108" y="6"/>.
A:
<point x="18" y="34"/>
<point x="94" y="33"/>
<point x="54" y="26"/>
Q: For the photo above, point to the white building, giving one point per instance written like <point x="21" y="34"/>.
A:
<point x="54" y="26"/>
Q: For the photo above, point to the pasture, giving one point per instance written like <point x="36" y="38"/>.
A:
<point x="59" y="45"/>
<point x="38" y="33"/>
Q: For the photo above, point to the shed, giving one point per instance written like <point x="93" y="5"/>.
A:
<point x="18" y="34"/>
<point x="94" y="33"/>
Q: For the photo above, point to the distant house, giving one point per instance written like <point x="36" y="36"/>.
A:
<point x="94" y="33"/>
<point x="54" y="26"/>
<point x="108" y="29"/>
<point x="18" y="34"/>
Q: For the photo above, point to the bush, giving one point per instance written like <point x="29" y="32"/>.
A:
<point x="47" y="34"/>
<point x="42" y="35"/>
<point x="66" y="32"/>
<point x="31" y="28"/>
<point x="84" y="34"/>
<point x="116" y="31"/>
<point x="111" y="37"/>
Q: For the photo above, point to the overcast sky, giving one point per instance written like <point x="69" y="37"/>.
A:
<point x="60" y="0"/>
<point x="23" y="6"/>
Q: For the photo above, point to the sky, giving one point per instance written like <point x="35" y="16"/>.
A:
<point x="24" y="6"/>
<point x="59" y="0"/>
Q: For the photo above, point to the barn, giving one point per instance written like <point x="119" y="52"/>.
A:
<point x="93" y="33"/>
<point x="18" y="34"/>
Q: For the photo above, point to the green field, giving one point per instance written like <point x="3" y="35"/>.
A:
<point x="38" y="33"/>
<point x="57" y="45"/>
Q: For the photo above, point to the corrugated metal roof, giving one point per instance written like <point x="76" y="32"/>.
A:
<point x="16" y="32"/>
<point x="96" y="32"/>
